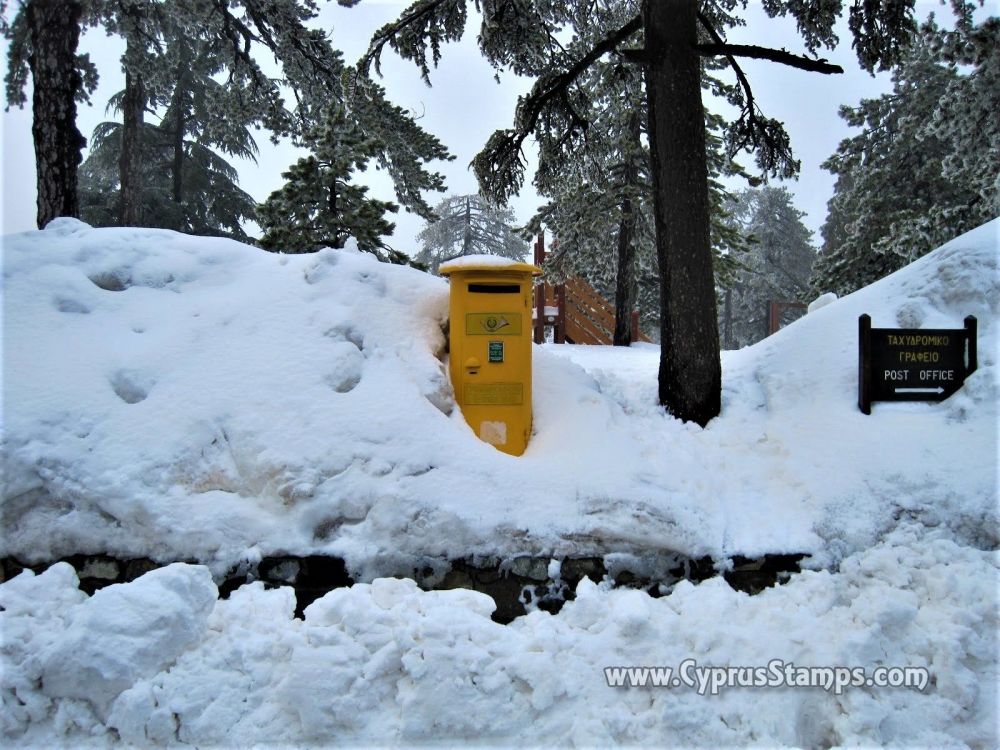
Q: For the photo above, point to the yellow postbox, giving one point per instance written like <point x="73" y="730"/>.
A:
<point x="490" y="342"/>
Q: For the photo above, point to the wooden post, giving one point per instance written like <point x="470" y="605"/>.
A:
<point x="865" y="364"/>
<point x="540" y="290"/>
<point x="971" y="330"/>
<point x="773" y="317"/>
<point x="560" y="332"/>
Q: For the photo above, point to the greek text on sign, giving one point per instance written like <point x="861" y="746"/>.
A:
<point x="898" y="364"/>
<point x="493" y="324"/>
<point x="496" y="351"/>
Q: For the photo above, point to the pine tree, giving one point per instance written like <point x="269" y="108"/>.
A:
<point x="43" y="41"/>
<point x="179" y="180"/>
<point x="318" y="206"/>
<point x="213" y="203"/>
<point x="776" y="267"/>
<point x="667" y="38"/>
<point x="926" y="166"/>
<point x="310" y="68"/>
<point x="468" y="225"/>
<point x="600" y="190"/>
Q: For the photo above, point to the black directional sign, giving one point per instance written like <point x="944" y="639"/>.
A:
<point x="913" y="364"/>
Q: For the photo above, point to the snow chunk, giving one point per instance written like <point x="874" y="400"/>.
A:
<point x="128" y="631"/>
<point x="822" y="301"/>
<point x="65" y="226"/>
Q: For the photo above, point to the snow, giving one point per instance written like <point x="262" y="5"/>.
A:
<point x="229" y="403"/>
<point x="386" y="663"/>
<point x="822" y="301"/>
<point x="482" y="261"/>
<point x="124" y="633"/>
<point x="196" y="399"/>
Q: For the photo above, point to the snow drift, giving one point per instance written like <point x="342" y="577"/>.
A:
<point x="188" y="398"/>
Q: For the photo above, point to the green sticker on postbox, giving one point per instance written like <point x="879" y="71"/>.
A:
<point x="496" y="351"/>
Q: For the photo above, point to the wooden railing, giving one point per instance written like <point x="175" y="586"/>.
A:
<point x="582" y="315"/>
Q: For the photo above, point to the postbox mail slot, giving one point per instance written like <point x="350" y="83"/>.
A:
<point x="495" y="288"/>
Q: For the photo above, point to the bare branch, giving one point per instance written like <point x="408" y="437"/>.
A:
<point x="766" y="53"/>
<point x="753" y="131"/>
<point x="547" y="88"/>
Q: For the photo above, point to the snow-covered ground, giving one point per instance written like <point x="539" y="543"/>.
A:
<point x="184" y="398"/>
<point x="226" y="403"/>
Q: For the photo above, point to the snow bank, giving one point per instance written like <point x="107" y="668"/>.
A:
<point x="184" y="398"/>
<point x="792" y="463"/>
<point x="189" y="398"/>
<point x="386" y="663"/>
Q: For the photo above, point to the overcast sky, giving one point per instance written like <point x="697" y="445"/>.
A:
<point x="465" y="105"/>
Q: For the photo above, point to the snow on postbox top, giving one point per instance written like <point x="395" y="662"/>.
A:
<point x="493" y="263"/>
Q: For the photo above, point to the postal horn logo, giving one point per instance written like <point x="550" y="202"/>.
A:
<point x="494" y="323"/>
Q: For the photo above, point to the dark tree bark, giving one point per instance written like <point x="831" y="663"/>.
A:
<point x="625" y="277"/>
<point x="728" y="320"/>
<point x="130" y="162"/>
<point x="467" y="237"/>
<point x="178" y="166"/>
<point x="55" y="33"/>
<point x="179" y="107"/>
<point x="690" y="377"/>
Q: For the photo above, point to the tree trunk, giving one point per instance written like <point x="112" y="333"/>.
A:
<point x="728" y="325"/>
<point x="55" y="32"/>
<point x="467" y="238"/>
<point x="130" y="162"/>
<point x="178" y="166"/>
<point x="625" y="277"/>
<point x="625" y="280"/>
<point x="690" y="377"/>
<point x="332" y="199"/>
<point x="179" y="107"/>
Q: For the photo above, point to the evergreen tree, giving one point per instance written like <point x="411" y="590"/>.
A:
<point x="310" y="68"/>
<point x="668" y="38"/>
<point x="318" y="206"/>
<point x="179" y="181"/>
<point x="213" y="203"/>
<point x="44" y="35"/>
<point x="776" y="267"/>
<point x="468" y="225"/>
<point x="926" y="166"/>
<point x="600" y="191"/>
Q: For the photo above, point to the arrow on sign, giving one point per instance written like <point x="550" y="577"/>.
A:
<point x="939" y="390"/>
